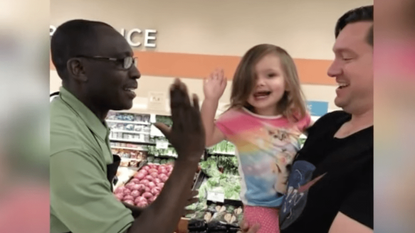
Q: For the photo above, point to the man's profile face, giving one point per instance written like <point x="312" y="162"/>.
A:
<point x="109" y="85"/>
<point x="353" y="68"/>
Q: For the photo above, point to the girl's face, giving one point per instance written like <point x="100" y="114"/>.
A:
<point x="269" y="85"/>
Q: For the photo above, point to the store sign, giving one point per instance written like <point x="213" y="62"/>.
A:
<point x="156" y="101"/>
<point x="162" y="144"/>
<point x="318" y="108"/>
<point x="149" y="36"/>
<point x="216" y="196"/>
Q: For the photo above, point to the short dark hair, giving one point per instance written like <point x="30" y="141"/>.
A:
<point x="71" y="39"/>
<point x="361" y="14"/>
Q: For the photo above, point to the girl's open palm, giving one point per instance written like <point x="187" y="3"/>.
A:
<point x="214" y="85"/>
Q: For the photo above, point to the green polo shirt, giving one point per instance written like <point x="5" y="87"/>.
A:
<point x="80" y="194"/>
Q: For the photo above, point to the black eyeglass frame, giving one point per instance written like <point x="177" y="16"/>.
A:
<point x="126" y="65"/>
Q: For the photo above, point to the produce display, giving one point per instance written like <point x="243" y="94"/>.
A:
<point x="160" y="160"/>
<point x="224" y="147"/>
<point x="214" y="165"/>
<point x="130" y="157"/>
<point x="169" y="152"/>
<point x="133" y="163"/>
<point x="123" y="175"/>
<point x="120" y="116"/>
<point x="144" y="138"/>
<point x="133" y="128"/>
<point x="164" y="119"/>
<point x="220" y="171"/>
<point x="129" y="131"/>
<point x="128" y="126"/>
<point x="227" y="182"/>
<point x="223" y="164"/>
<point x="210" y="167"/>
<point x="145" y="186"/>
<point x="130" y="154"/>
<point x="131" y="146"/>
<point x="216" y="217"/>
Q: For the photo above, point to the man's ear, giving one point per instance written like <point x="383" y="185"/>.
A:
<point x="76" y="69"/>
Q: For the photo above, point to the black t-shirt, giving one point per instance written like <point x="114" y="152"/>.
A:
<point x="329" y="175"/>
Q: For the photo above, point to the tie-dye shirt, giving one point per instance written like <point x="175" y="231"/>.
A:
<point x="266" y="147"/>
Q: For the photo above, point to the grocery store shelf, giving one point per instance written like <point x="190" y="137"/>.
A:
<point x="174" y="156"/>
<point x="128" y="122"/>
<point x="134" y="141"/>
<point x="128" y="148"/>
<point x="222" y="153"/>
<point x="130" y="159"/>
<point x="131" y="141"/>
<point x="129" y="131"/>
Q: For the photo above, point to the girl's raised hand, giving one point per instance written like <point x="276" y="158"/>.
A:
<point x="214" y="85"/>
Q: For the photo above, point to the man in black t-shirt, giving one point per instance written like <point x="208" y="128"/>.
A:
<point x="330" y="188"/>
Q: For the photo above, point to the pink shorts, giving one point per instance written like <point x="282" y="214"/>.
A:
<point x="266" y="217"/>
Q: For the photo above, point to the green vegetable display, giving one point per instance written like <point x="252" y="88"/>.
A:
<point x="164" y="119"/>
<point x="224" y="147"/>
<point x="228" y="163"/>
<point x="229" y="180"/>
<point x="169" y="152"/>
<point x="229" y="183"/>
<point x="210" y="167"/>
<point x="302" y="141"/>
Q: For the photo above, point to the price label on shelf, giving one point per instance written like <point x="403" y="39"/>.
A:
<point x="215" y="196"/>
<point x="162" y="144"/>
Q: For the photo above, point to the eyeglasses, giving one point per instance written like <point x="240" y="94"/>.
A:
<point x="127" y="62"/>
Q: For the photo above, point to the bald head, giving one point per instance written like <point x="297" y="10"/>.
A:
<point x="96" y="64"/>
<point x="75" y="38"/>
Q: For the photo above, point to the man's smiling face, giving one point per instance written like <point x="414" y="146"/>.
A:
<point x="353" y="68"/>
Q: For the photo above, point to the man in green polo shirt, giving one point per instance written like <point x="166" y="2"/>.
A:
<point x="99" y="74"/>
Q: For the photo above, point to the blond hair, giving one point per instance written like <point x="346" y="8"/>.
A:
<point x="292" y="105"/>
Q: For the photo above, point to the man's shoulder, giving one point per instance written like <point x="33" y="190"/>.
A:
<point x="67" y="131"/>
<point x="328" y="122"/>
<point x="332" y="117"/>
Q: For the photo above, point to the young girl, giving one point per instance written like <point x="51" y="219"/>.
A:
<point x="267" y="114"/>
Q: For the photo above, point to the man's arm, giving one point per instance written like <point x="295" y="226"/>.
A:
<point x="345" y="224"/>
<point x="136" y="211"/>
<point x="187" y="136"/>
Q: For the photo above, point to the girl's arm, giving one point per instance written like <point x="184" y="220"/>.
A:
<point x="213" y="88"/>
<point x="213" y="134"/>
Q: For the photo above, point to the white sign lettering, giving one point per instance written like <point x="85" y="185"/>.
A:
<point x="149" y="36"/>
<point x="130" y="37"/>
